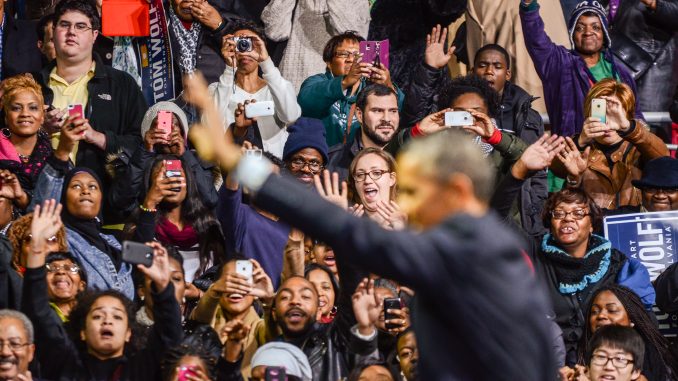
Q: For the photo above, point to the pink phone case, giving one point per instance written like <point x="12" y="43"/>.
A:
<point x="373" y="49"/>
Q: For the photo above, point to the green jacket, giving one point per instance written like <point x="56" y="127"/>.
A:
<point x="321" y="97"/>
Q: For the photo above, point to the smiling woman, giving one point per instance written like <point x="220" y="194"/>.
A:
<point x="23" y="148"/>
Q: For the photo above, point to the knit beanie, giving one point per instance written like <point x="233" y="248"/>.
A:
<point x="306" y="133"/>
<point x="164" y="106"/>
<point x="589" y="6"/>
<point x="283" y="355"/>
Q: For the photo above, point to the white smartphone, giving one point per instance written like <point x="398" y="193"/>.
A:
<point x="458" y="118"/>
<point x="244" y="268"/>
<point x="599" y="108"/>
<point x="263" y="108"/>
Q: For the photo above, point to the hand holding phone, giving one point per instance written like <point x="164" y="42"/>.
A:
<point x="257" y="109"/>
<point x="599" y="109"/>
<point x="165" y="123"/>
<point x="185" y="372"/>
<point x="75" y="111"/>
<point x="458" y="119"/>
<point x="137" y="253"/>
<point x="244" y="268"/>
<point x="391" y="304"/>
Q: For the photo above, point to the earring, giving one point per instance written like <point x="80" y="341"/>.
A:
<point x="632" y="325"/>
<point x="6" y="132"/>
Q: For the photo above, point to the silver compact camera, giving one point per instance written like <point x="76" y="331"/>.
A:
<point x="243" y="44"/>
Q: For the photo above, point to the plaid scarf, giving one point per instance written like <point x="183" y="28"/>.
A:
<point x="187" y="40"/>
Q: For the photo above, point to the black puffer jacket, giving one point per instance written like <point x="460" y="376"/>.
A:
<point x="654" y="32"/>
<point x="405" y="23"/>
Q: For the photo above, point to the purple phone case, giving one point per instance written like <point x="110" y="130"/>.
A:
<point x="370" y="50"/>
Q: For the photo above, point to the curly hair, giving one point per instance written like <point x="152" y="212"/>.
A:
<point x="469" y="84"/>
<point x="18" y="84"/>
<point x="20" y="231"/>
<point x="571" y="195"/>
<point x="202" y="343"/>
<point x="658" y="346"/>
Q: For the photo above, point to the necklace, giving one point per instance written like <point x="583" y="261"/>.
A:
<point x="24" y="158"/>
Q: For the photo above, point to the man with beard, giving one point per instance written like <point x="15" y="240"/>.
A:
<point x="331" y="348"/>
<point x="378" y="115"/>
<point x="332" y="96"/>
<point x="17" y="348"/>
<point x="568" y="74"/>
<point x="258" y="234"/>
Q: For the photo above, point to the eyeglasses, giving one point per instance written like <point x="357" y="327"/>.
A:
<point x="577" y="214"/>
<point x="51" y="239"/>
<point x="661" y="190"/>
<point x="299" y="164"/>
<point x="79" y="27"/>
<point x="374" y="174"/>
<point x="52" y="268"/>
<point x="13" y="345"/>
<point x="617" y="362"/>
<point x="345" y="54"/>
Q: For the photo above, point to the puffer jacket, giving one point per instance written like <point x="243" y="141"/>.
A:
<point x="564" y="75"/>
<point x="609" y="184"/>
<point x="655" y="33"/>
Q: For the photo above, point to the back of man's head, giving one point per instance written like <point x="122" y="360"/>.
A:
<point x="450" y="152"/>
<point x="86" y="7"/>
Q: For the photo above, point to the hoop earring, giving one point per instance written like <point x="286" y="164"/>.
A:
<point x="6" y="132"/>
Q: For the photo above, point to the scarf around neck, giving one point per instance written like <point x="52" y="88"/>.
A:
<point x="187" y="39"/>
<point x="576" y="274"/>
<point x="170" y="233"/>
<point x="88" y="229"/>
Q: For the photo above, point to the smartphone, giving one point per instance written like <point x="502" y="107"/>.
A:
<point x="137" y="253"/>
<point x="244" y="268"/>
<point x="458" y="118"/>
<point x="165" y="122"/>
<point x="391" y="304"/>
<point x="599" y="109"/>
<point x="263" y="108"/>
<point x="375" y="52"/>
<point x="75" y="110"/>
<point x="173" y="168"/>
<point x="185" y="372"/>
<point x="275" y="373"/>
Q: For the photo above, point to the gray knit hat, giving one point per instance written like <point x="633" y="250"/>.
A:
<point x="595" y="7"/>
<point x="286" y="356"/>
<point x="164" y="106"/>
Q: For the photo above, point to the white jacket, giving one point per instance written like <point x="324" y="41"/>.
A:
<point x="279" y="90"/>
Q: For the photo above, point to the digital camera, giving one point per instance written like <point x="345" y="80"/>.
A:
<point x="243" y="44"/>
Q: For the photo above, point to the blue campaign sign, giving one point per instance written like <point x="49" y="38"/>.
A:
<point x="649" y="238"/>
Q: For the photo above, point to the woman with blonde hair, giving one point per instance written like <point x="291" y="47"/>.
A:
<point x="24" y="147"/>
<point x="609" y="153"/>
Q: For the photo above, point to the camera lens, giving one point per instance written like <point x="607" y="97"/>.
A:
<point x="244" y="45"/>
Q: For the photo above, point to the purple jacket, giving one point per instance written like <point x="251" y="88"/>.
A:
<point x="564" y="75"/>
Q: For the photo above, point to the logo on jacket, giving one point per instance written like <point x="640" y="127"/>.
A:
<point x="106" y="97"/>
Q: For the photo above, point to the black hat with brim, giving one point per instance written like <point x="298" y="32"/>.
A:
<point x="661" y="172"/>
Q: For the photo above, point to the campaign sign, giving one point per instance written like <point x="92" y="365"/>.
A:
<point x="649" y="238"/>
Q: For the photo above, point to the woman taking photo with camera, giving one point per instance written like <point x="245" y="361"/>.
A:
<point x="245" y="53"/>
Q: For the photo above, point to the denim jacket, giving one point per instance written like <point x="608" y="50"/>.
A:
<point x="101" y="272"/>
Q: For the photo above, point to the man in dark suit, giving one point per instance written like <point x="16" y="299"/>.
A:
<point x="18" y="49"/>
<point x="478" y="313"/>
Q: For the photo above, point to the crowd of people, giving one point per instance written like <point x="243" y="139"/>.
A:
<point x="283" y="209"/>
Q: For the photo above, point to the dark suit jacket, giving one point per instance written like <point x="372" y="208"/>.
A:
<point x="20" y="53"/>
<point x="479" y="313"/>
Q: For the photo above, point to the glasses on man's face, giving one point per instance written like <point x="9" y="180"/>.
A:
<point x="374" y="174"/>
<point x="660" y="190"/>
<point x="618" y="362"/>
<point x="72" y="268"/>
<point x="13" y="345"/>
<point x="299" y="164"/>
<point x="577" y="214"/>
<point x="79" y="27"/>
<point x="345" y="54"/>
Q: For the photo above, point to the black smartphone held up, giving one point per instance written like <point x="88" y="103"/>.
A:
<point x="137" y="253"/>
<point x="391" y="304"/>
<point x="275" y="373"/>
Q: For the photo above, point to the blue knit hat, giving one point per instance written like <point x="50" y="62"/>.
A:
<point x="589" y="6"/>
<point x="306" y="133"/>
